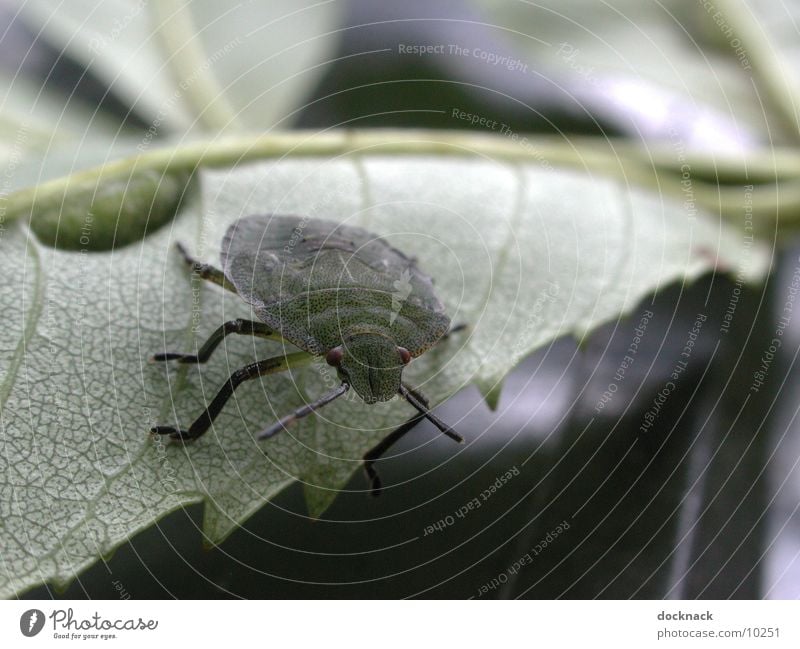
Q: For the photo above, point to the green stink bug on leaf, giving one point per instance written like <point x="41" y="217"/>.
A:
<point x="331" y="290"/>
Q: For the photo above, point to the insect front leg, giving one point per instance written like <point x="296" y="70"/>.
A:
<point x="418" y="400"/>
<point x="238" y="326"/>
<point x="371" y="456"/>
<point x="247" y="373"/>
<point x="303" y="411"/>
<point x="205" y="271"/>
<point x="461" y="326"/>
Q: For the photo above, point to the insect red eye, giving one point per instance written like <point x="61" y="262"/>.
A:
<point x="334" y="356"/>
<point x="405" y="355"/>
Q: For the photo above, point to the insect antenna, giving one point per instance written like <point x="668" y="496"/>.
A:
<point x="307" y="409"/>
<point x="412" y="396"/>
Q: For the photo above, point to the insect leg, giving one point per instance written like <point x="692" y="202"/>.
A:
<point x="238" y="326"/>
<point x="410" y="395"/>
<point x="205" y="271"/>
<point x="418" y="400"/>
<point x="453" y="330"/>
<point x="380" y="448"/>
<point x="252" y="371"/>
<point x="418" y="395"/>
<point x="307" y="409"/>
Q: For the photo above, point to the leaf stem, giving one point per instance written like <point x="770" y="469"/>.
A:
<point x="771" y="71"/>
<point x="776" y="172"/>
<point x="183" y="51"/>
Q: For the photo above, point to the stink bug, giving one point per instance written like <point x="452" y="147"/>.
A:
<point x="332" y="290"/>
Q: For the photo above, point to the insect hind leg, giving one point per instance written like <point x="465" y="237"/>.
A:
<point x="205" y="271"/>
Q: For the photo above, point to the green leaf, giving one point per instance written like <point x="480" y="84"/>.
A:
<point x="183" y="67"/>
<point x="44" y="134"/>
<point x="251" y="65"/>
<point x="521" y="252"/>
<point x="113" y="41"/>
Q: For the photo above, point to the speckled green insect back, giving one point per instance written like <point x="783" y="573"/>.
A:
<point x="331" y="290"/>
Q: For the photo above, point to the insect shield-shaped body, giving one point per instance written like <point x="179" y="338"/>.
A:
<point x="331" y="290"/>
